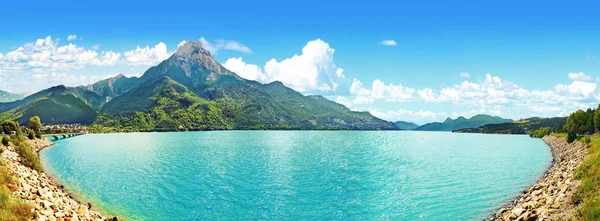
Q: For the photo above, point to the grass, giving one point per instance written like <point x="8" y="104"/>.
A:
<point x="11" y="208"/>
<point x="588" y="193"/>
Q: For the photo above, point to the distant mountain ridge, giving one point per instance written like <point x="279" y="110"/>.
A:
<point x="403" y="125"/>
<point x="462" y="122"/>
<point x="517" y="127"/>
<point x="188" y="91"/>
<point x="6" y="96"/>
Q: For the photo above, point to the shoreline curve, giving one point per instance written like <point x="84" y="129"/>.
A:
<point x="49" y="198"/>
<point x="550" y="197"/>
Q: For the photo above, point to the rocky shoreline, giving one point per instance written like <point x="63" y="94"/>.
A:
<point x="550" y="197"/>
<point x="48" y="197"/>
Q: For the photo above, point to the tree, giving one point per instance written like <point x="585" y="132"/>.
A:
<point x="597" y="117"/>
<point x="590" y="126"/>
<point x="578" y="123"/>
<point x="35" y="124"/>
<point x="30" y="134"/>
<point x="571" y="137"/>
<point x="9" y="126"/>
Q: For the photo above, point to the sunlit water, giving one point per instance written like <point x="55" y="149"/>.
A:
<point x="297" y="175"/>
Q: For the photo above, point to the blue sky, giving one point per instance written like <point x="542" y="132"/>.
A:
<point x="442" y="59"/>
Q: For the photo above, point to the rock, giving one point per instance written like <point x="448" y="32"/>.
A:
<point x="518" y="211"/>
<point x="59" y="214"/>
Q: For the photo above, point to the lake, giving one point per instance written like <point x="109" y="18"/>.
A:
<point x="297" y="175"/>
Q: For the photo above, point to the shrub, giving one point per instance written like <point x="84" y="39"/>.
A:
<point x="5" y="140"/>
<point x="11" y="208"/>
<point x="586" y="140"/>
<point x="8" y="126"/>
<point x="571" y="137"/>
<point x="29" y="158"/>
<point x="539" y="133"/>
<point x="30" y="134"/>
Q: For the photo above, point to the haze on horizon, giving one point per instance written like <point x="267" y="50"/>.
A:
<point x="418" y="62"/>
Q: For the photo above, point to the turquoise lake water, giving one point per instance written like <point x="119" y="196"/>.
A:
<point x="297" y="175"/>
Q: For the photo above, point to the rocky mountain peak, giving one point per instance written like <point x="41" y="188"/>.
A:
<point x="192" y="57"/>
<point x="189" y="48"/>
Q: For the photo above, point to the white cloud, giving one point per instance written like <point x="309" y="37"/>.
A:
<point x="380" y="91"/>
<point x="147" y="55"/>
<point x="499" y="97"/>
<point x="579" y="89"/>
<point x="388" y="43"/>
<point x="72" y="37"/>
<point x="248" y="71"/>
<point x="47" y="54"/>
<point x="344" y="101"/>
<point x="579" y="77"/>
<point x="96" y="46"/>
<point x="313" y="70"/>
<point x="465" y="75"/>
<point x="219" y="44"/>
<point x="420" y="116"/>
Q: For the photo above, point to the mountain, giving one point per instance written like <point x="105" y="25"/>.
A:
<point x="462" y="122"/>
<point x="55" y="105"/>
<point x="189" y="91"/>
<point x="6" y="96"/>
<point x="403" y="125"/>
<point x="518" y="127"/>
<point x="105" y="90"/>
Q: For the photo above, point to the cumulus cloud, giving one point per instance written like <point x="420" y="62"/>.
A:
<point x="221" y="44"/>
<point x="248" y="71"/>
<point x="419" y="116"/>
<point x="388" y="43"/>
<point x="147" y="55"/>
<point x="71" y="37"/>
<point x="380" y="91"/>
<point x="465" y="75"/>
<point x="579" y="77"/>
<point x="494" y="95"/>
<point x="47" y="54"/>
<point x="313" y="70"/>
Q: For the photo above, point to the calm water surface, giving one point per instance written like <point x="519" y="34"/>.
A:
<point x="297" y="175"/>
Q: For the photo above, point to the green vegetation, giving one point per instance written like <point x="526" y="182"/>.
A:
<point x="462" y="123"/>
<point x="588" y="193"/>
<point x="523" y="126"/>
<point x="28" y="157"/>
<point x="579" y="123"/>
<point x="578" y="127"/>
<point x="541" y="132"/>
<point x="10" y="126"/>
<point x="11" y="208"/>
<point x="35" y="124"/>
<point x="58" y="105"/>
<point x="30" y="134"/>
<point x="5" y="140"/>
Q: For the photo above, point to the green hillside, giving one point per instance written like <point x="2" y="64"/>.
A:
<point x="461" y="123"/>
<point x="517" y="127"/>
<point x="56" y="105"/>
<point x="403" y="125"/>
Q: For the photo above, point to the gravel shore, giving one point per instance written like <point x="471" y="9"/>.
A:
<point x="550" y="197"/>
<point x="50" y="200"/>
